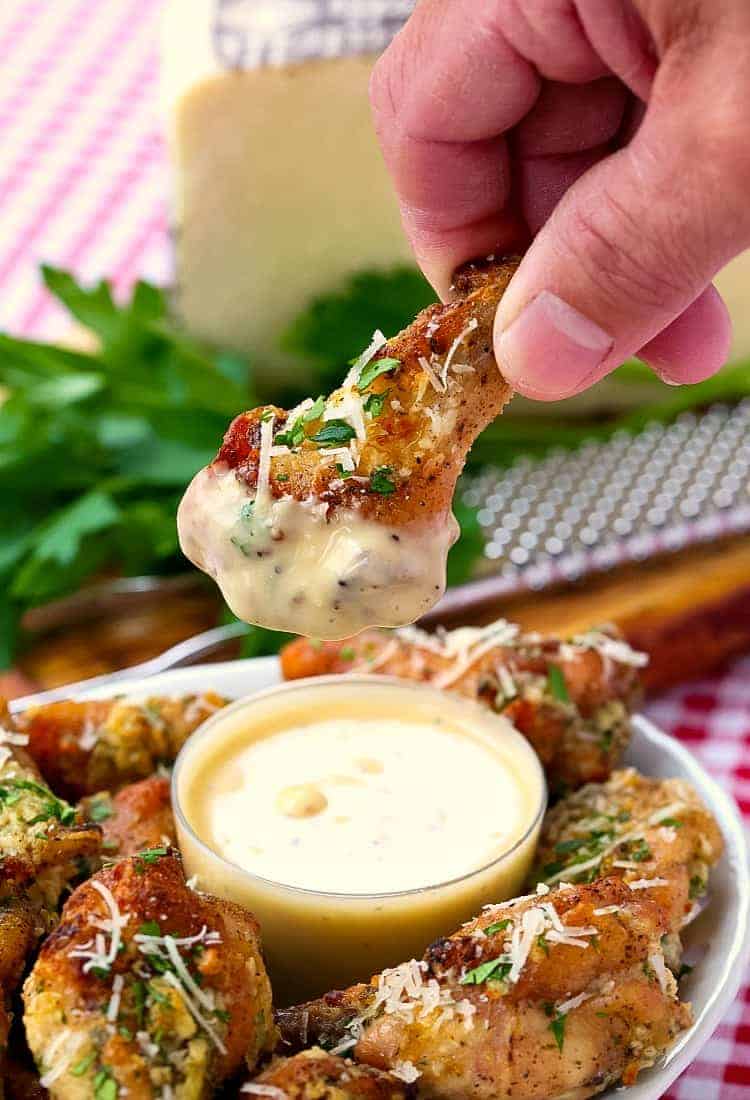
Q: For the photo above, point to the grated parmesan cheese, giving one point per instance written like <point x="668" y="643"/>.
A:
<point x="437" y="383"/>
<point x="113" y="1008"/>
<point x="606" y="910"/>
<point x="574" y="1002"/>
<point x="660" y="969"/>
<point x="405" y="1071"/>
<point x="272" y="1091"/>
<point x="647" y="883"/>
<point x="472" y="325"/>
<point x="61" y="1051"/>
<point x="96" y="952"/>
<point x="378" y="341"/>
<point x="10" y="737"/>
<point x="171" y="979"/>
<point x="262" y="491"/>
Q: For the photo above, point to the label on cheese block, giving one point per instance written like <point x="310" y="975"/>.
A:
<point x="279" y="189"/>
<point x="250" y="33"/>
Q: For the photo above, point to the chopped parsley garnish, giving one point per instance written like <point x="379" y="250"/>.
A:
<point x="373" y="403"/>
<point x="498" y="926"/>
<point x="148" y="855"/>
<point x="223" y="1015"/>
<point x="541" y="942"/>
<point x="683" y="972"/>
<point x="53" y="807"/>
<point x="373" y="370"/>
<point x="347" y="653"/>
<point x="333" y="433"/>
<point x="556" y="684"/>
<point x="139" y="997"/>
<point x="606" y="738"/>
<point x="343" y="474"/>
<point x="380" y="481"/>
<point x="247" y="510"/>
<point x="557" y="1027"/>
<point x="572" y="845"/>
<point x="496" y="970"/>
<point x="294" y="434"/>
<point x="85" y="1063"/>
<point x="244" y="548"/>
<point x="671" y="822"/>
<point x="697" y="887"/>
<point x="282" y="477"/>
<point x="105" y="1086"/>
<point x="639" y="851"/>
<point x="100" y="810"/>
<point x="267" y="414"/>
<point x="150" y="928"/>
<point x="158" y="996"/>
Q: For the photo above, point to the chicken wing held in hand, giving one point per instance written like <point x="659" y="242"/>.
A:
<point x="336" y="516"/>
<point x="571" y="698"/>
<point x="149" y="985"/>
<point x="559" y="994"/>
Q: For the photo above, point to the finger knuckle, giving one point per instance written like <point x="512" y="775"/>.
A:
<point x="620" y="259"/>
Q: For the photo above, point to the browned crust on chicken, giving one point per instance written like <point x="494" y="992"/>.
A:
<point x="639" y="829"/>
<point x="156" y="1037"/>
<point x="95" y="745"/>
<point x="323" y="1021"/>
<point x="578" y="739"/>
<point x="316" y="1075"/>
<point x="424" y="462"/>
<point x="139" y="816"/>
<point x="592" y="1004"/>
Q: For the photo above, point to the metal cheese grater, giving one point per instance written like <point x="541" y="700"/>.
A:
<point x="609" y="503"/>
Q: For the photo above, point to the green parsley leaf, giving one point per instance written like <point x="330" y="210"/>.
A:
<point x="558" y="689"/>
<point x="372" y="370"/>
<point x="347" y="653"/>
<point x="85" y="1063"/>
<point x="105" y="1086"/>
<point x="148" y="856"/>
<point x="150" y="928"/>
<point x="100" y="809"/>
<point x="494" y="970"/>
<point x="498" y="926"/>
<point x="683" y="972"/>
<point x="343" y="474"/>
<point x="557" y="1027"/>
<point x="334" y="433"/>
<point x="380" y="481"/>
<point x="373" y="403"/>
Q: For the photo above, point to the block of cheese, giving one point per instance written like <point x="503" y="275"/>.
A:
<point x="279" y="191"/>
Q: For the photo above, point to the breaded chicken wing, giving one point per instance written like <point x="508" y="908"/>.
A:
<point x="139" y="816"/>
<point x="571" y="698"/>
<point x="316" y="1075"/>
<point x="85" y="747"/>
<point x="654" y="833"/>
<point x="336" y="516"/>
<point x="559" y="994"/>
<point x="149" y="985"/>
<point x="44" y="844"/>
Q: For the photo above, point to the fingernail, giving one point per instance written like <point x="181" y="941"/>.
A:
<point x="551" y="350"/>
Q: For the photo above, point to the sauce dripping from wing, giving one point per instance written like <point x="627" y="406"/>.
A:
<point x="336" y="516"/>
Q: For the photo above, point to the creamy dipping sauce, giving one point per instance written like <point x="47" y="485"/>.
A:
<point x="286" y="565"/>
<point x="358" y="818"/>
<point x="365" y="806"/>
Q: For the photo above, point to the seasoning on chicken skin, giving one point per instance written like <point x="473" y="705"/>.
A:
<point x="102" y="744"/>
<point x="139" y="816"/>
<point x="148" y="984"/>
<point x="316" y="1075"/>
<point x="640" y="829"/>
<point x="336" y="516"/>
<point x="570" y="698"/>
<point x="559" y="994"/>
<point x="44" y="845"/>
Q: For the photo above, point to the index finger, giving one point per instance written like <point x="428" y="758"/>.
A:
<point x="451" y="84"/>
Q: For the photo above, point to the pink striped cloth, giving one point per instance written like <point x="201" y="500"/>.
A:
<point x="83" y="185"/>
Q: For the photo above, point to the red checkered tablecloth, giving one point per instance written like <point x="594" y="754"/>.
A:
<point x="83" y="184"/>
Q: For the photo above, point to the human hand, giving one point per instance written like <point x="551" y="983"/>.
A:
<point x="615" y="131"/>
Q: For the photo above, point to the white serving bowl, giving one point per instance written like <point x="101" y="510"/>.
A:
<point x="721" y="934"/>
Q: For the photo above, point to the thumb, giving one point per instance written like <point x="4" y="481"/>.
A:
<point x="624" y="263"/>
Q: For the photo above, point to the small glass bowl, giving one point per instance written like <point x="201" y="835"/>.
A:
<point x="320" y="940"/>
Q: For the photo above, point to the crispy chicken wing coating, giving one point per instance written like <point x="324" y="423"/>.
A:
<point x="571" y="698"/>
<point x="364" y="478"/>
<point x="316" y="1075"/>
<point x="655" y="832"/>
<point x="102" y="744"/>
<point x="555" y="995"/>
<point x="148" y="985"/>
<point x="139" y="816"/>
